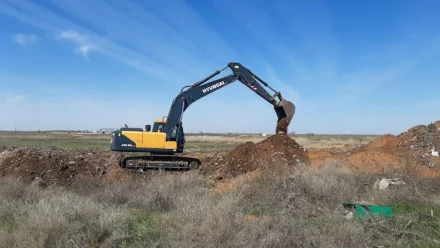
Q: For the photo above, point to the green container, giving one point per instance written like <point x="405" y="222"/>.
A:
<point x="361" y="211"/>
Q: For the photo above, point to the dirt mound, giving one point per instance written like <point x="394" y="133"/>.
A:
<point x="417" y="143"/>
<point x="3" y="148"/>
<point x="49" y="166"/>
<point x="437" y="125"/>
<point x="377" y="156"/>
<point x="373" y="161"/>
<point x="278" y="150"/>
<point x="390" y="153"/>
<point x="56" y="166"/>
<point x="384" y="144"/>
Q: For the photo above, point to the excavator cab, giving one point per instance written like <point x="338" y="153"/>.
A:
<point x="159" y="125"/>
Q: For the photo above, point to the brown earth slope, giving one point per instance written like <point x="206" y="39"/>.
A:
<point x="410" y="151"/>
<point x="54" y="165"/>
<point x="380" y="155"/>
<point x="277" y="151"/>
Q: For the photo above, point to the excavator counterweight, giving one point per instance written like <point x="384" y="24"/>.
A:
<point x="167" y="137"/>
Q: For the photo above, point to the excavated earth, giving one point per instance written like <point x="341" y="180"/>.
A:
<point x="378" y="155"/>
<point x="282" y="126"/>
<point x="416" y="144"/>
<point x="408" y="151"/>
<point x="276" y="152"/>
<point x="49" y="165"/>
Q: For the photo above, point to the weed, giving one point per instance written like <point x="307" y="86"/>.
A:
<point x="178" y="210"/>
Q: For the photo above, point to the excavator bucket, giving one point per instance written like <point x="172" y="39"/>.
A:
<point x="285" y="111"/>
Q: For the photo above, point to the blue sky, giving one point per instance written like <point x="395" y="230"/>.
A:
<point x="348" y="66"/>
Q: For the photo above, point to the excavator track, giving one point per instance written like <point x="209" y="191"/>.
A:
<point x="160" y="162"/>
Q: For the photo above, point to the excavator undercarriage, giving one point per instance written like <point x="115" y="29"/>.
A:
<point x="167" y="137"/>
<point x="160" y="162"/>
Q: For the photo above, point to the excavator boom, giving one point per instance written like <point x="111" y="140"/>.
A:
<point x="284" y="109"/>
<point x="168" y="137"/>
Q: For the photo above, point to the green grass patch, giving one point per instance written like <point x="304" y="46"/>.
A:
<point x="414" y="208"/>
<point x="58" y="143"/>
<point x="256" y="212"/>
<point x="419" y="223"/>
<point x="8" y="222"/>
<point x="143" y="228"/>
<point x="89" y="144"/>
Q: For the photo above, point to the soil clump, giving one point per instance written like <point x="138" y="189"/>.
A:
<point x="276" y="152"/>
<point x="282" y="126"/>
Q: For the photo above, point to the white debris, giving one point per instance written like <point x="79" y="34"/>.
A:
<point x="434" y="152"/>
<point x="384" y="183"/>
<point x="4" y="153"/>
<point x="348" y="214"/>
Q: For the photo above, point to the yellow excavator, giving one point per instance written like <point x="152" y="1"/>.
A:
<point x="166" y="138"/>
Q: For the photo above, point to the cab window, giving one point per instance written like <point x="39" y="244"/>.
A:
<point x="158" y="127"/>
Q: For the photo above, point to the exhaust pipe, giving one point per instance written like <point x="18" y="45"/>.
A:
<point x="285" y="111"/>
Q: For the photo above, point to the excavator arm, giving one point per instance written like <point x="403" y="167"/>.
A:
<point x="162" y="149"/>
<point x="189" y="94"/>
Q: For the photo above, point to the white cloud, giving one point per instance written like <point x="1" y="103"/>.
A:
<point x="73" y="36"/>
<point x="85" y="49"/>
<point x="25" y="39"/>
<point x="83" y="43"/>
<point x="150" y="40"/>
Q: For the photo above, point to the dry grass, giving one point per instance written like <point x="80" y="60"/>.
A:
<point x="179" y="210"/>
<point x="33" y="217"/>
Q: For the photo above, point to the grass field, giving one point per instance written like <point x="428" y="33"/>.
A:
<point x="195" y="142"/>
<point x="301" y="209"/>
<point x="179" y="210"/>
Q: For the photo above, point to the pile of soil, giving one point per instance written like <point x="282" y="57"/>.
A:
<point x="437" y="125"/>
<point x="416" y="144"/>
<point x="380" y="155"/>
<point x="3" y="148"/>
<point x="277" y="151"/>
<point x="384" y="144"/>
<point x="50" y="165"/>
<point x="392" y="153"/>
